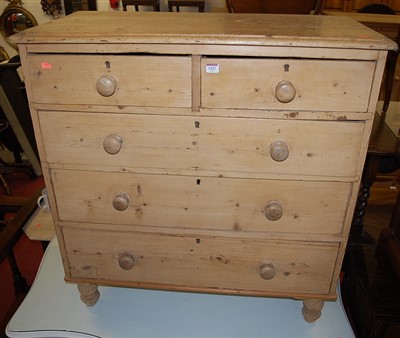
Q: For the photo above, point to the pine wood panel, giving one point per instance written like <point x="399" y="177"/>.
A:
<point x="207" y="29"/>
<point x="179" y="138"/>
<point x="201" y="262"/>
<point x="141" y="80"/>
<point x="201" y="202"/>
<point x="319" y="84"/>
<point x="327" y="148"/>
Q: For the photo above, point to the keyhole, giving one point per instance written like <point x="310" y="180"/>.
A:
<point x="198" y="181"/>
<point x="286" y="67"/>
<point x="197" y="124"/>
<point x="107" y="64"/>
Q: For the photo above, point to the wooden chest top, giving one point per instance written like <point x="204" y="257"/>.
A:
<point x="207" y="28"/>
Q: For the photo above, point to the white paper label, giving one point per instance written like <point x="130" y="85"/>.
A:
<point x="212" y="68"/>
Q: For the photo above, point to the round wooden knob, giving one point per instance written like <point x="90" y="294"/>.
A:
<point x="112" y="144"/>
<point x="106" y="85"/>
<point x="126" y="261"/>
<point x="285" y="91"/>
<point x="273" y="210"/>
<point x="279" y="151"/>
<point x="267" y="270"/>
<point x="121" y="201"/>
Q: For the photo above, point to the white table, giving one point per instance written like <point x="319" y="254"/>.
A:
<point x="53" y="309"/>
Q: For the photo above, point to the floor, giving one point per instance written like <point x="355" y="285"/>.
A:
<point x="29" y="253"/>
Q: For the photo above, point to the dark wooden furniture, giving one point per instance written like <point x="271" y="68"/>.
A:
<point x="152" y="3"/>
<point x="383" y="145"/>
<point x="16" y="130"/>
<point x="390" y="239"/>
<point x="71" y="6"/>
<point x="272" y="6"/>
<point x="186" y="3"/>
<point x="9" y="140"/>
<point x="356" y="5"/>
<point x="371" y="287"/>
<point x="10" y="233"/>
<point x="371" y="292"/>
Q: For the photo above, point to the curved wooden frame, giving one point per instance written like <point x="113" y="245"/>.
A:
<point x="274" y="7"/>
<point x="14" y="7"/>
<point x="3" y="54"/>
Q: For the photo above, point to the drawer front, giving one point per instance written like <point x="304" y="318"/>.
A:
<point x="200" y="262"/>
<point x="323" y="85"/>
<point x="201" y="202"/>
<point x="242" y="146"/>
<point x="111" y="80"/>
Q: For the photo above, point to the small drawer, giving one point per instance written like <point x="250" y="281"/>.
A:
<point x="289" y="84"/>
<point x="239" y="146"/>
<point x="230" y="204"/>
<point x="202" y="263"/>
<point x="111" y="80"/>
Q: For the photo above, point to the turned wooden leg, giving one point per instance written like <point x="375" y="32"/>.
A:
<point x="371" y="168"/>
<point x="89" y="293"/>
<point x="312" y="309"/>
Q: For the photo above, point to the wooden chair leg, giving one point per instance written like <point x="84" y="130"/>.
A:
<point x="19" y="282"/>
<point x="5" y="185"/>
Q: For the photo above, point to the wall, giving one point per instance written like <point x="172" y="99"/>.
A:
<point x="35" y="8"/>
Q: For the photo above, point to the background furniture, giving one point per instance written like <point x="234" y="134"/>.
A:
<point x="10" y="142"/>
<point x="71" y="6"/>
<point x="189" y="3"/>
<point x="272" y="6"/>
<point x="356" y="5"/>
<point x="371" y="289"/>
<point x="16" y="133"/>
<point x="14" y="104"/>
<point x="383" y="144"/>
<point x="224" y="198"/>
<point x="151" y="3"/>
<point x="14" y="213"/>
<point x="53" y="308"/>
<point x="390" y="239"/>
<point x="372" y="283"/>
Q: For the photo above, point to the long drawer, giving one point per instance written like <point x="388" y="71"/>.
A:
<point x="200" y="262"/>
<point x="258" y="146"/>
<point x="111" y="80"/>
<point x="289" y="84"/>
<point x="201" y="202"/>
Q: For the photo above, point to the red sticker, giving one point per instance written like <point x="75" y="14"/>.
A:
<point x="46" y="65"/>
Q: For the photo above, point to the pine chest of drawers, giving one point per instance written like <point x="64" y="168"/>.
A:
<point x="215" y="153"/>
